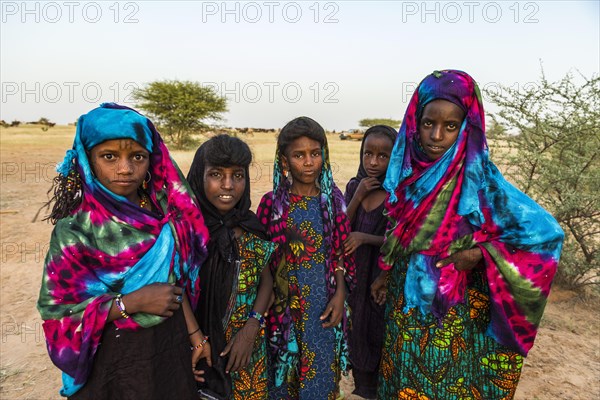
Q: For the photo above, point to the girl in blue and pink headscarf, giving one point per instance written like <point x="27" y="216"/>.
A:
<point x="122" y="267"/>
<point x="468" y="258"/>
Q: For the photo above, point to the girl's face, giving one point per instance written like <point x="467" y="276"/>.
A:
<point x="376" y="154"/>
<point x="121" y="166"/>
<point x="439" y="127"/>
<point x="304" y="160"/>
<point x="224" y="186"/>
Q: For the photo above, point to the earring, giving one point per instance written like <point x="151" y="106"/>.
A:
<point x="146" y="181"/>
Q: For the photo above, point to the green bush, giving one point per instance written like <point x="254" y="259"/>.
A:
<point x="180" y="108"/>
<point x="552" y="131"/>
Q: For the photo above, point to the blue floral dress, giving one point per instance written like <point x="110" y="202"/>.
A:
<point x="317" y="373"/>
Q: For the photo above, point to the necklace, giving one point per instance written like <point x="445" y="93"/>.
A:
<point x="144" y="200"/>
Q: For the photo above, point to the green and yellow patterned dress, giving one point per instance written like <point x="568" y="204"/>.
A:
<point x="424" y="361"/>
<point x="250" y="382"/>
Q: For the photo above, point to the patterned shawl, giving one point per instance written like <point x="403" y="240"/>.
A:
<point x="273" y="213"/>
<point x="437" y="208"/>
<point x="109" y="245"/>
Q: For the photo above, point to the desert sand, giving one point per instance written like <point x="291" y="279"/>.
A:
<point x="564" y="363"/>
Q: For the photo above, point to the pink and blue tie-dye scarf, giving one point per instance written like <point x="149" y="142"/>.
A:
<point x="109" y="245"/>
<point x="437" y="208"/>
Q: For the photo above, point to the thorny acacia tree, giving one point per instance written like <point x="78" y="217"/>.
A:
<point x="180" y="108"/>
<point x="553" y="138"/>
<point x="369" y="122"/>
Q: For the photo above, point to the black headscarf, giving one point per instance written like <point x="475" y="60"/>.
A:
<point x="218" y="275"/>
<point x="379" y="129"/>
<point x="389" y="132"/>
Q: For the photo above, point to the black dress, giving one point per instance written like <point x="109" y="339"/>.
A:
<point x="366" y="334"/>
<point x="151" y="363"/>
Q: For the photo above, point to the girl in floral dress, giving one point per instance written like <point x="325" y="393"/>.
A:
<point x="305" y="215"/>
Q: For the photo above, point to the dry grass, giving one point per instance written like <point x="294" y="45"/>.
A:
<point x="564" y="364"/>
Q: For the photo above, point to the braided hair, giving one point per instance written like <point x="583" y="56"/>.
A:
<point x="67" y="195"/>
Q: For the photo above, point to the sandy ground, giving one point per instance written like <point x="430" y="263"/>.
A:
<point x="564" y="363"/>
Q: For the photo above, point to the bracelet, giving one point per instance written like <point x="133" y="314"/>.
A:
<point x="201" y="345"/>
<point x="338" y="268"/>
<point x="190" y="334"/>
<point x="259" y="317"/>
<point x="121" y="305"/>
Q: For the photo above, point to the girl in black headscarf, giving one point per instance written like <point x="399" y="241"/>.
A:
<point x="365" y="199"/>
<point x="235" y="286"/>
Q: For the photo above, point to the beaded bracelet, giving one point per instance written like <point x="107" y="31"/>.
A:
<point x="201" y="345"/>
<point x="259" y="317"/>
<point x="121" y="305"/>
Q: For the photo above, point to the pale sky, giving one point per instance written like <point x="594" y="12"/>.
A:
<point x="335" y="61"/>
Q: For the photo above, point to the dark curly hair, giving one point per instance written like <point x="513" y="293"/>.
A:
<point x="225" y="151"/>
<point x="299" y="127"/>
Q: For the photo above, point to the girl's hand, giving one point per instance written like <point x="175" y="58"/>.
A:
<point x="353" y="242"/>
<point x="464" y="260"/>
<point x="197" y="355"/>
<point x="157" y="299"/>
<point x="379" y="288"/>
<point x="335" y="309"/>
<point x="240" y="346"/>
<point x="366" y="186"/>
<point x="198" y="375"/>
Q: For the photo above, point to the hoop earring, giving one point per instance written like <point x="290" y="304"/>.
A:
<point x="146" y="181"/>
